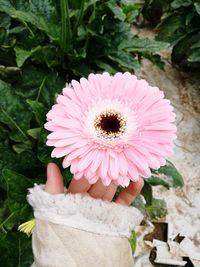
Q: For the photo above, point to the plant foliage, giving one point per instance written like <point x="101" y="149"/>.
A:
<point x="178" y="23"/>
<point x="43" y="44"/>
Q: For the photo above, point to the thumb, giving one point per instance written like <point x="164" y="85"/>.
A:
<point x="54" y="184"/>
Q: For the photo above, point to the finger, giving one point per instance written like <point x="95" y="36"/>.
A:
<point x="130" y="193"/>
<point x="98" y="190"/>
<point x="109" y="194"/>
<point x="54" y="184"/>
<point x="79" y="186"/>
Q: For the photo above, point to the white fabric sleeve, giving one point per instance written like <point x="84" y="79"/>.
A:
<point x="74" y="230"/>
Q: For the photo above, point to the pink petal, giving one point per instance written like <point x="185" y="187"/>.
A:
<point x="58" y="152"/>
<point x="150" y="158"/>
<point x="66" y="163"/>
<point x="106" y="181"/>
<point x="85" y="161"/>
<point x="78" y="175"/>
<point x="141" y="89"/>
<point x="94" y="81"/>
<point x="73" y="167"/>
<point x="62" y="134"/>
<point x="132" y="170"/>
<point x="50" y="126"/>
<point x="114" y="167"/>
<point x="104" y="165"/>
<point x="105" y="84"/>
<point x="94" y="179"/>
<point x="97" y="161"/>
<point x="156" y="149"/>
<point x="51" y="142"/>
<point x="69" y="103"/>
<point x="69" y="149"/>
<point x="161" y="127"/>
<point x="88" y="88"/>
<point x="123" y="168"/>
<point x="66" y="142"/>
<point x="133" y="156"/>
<point x="78" y="152"/>
<point x="68" y="124"/>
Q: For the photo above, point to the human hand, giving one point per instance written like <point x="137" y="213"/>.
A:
<point x="55" y="185"/>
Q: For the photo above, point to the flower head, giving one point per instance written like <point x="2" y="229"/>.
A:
<point x="113" y="128"/>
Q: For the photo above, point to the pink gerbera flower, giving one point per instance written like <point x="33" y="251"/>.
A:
<point x="113" y="128"/>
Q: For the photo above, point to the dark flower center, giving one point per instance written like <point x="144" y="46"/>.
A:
<point x="110" y="124"/>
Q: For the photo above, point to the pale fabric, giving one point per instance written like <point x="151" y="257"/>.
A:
<point x="78" y="231"/>
<point x="83" y="212"/>
<point x="61" y="246"/>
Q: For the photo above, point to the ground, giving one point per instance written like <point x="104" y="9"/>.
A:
<point x="183" y="92"/>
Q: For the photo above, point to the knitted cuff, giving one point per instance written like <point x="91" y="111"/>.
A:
<point x="84" y="212"/>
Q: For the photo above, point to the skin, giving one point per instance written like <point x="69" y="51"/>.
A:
<point x="55" y="185"/>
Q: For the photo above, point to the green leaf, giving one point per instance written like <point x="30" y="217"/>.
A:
<point x="147" y="193"/>
<point x="183" y="50"/>
<point x="44" y="151"/>
<point x="157" y="209"/>
<point x="170" y="174"/>
<point x="7" y="220"/>
<point x="5" y="21"/>
<point x="196" y="45"/>
<point x="124" y="60"/>
<point x="139" y="204"/>
<point x="172" y="29"/>
<point x="27" y="87"/>
<point x="35" y="132"/>
<point x="197" y="7"/>
<point x="21" y="55"/>
<point x="194" y="56"/>
<point x="144" y="45"/>
<point x="32" y="16"/>
<point x="106" y="67"/>
<point x="43" y="87"/>
<point x="17" y="185"/>
<point x="14" y="112"/>
<point x="19" y="162"/>
<point x="45" y="55"/>
<point x="156" y="59"/>
<point x="39" y="110"/>
<point x="116" y="10"/>
<point x="132" y="11"/>
<point x="53" y="85"/>
<point x="179" y="3"/>
<point x="21" y="147"/>
<point x="156" y="180"/>
<point x="9" y="74"/>
<point x="6" y="41"/>
<point x="15" y="250"/>
<point x="152" y="10"/>
<point x="133" y="241"/>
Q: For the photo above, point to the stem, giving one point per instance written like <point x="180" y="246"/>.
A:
<point x="40" y="89"/>
<point x="80" y="17"/>
<point x="13" y="122"/>
<point x="65" y="25"/>
<point x="7" y="219"/>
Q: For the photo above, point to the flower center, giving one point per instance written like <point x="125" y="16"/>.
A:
<point x="109" y="124"/>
